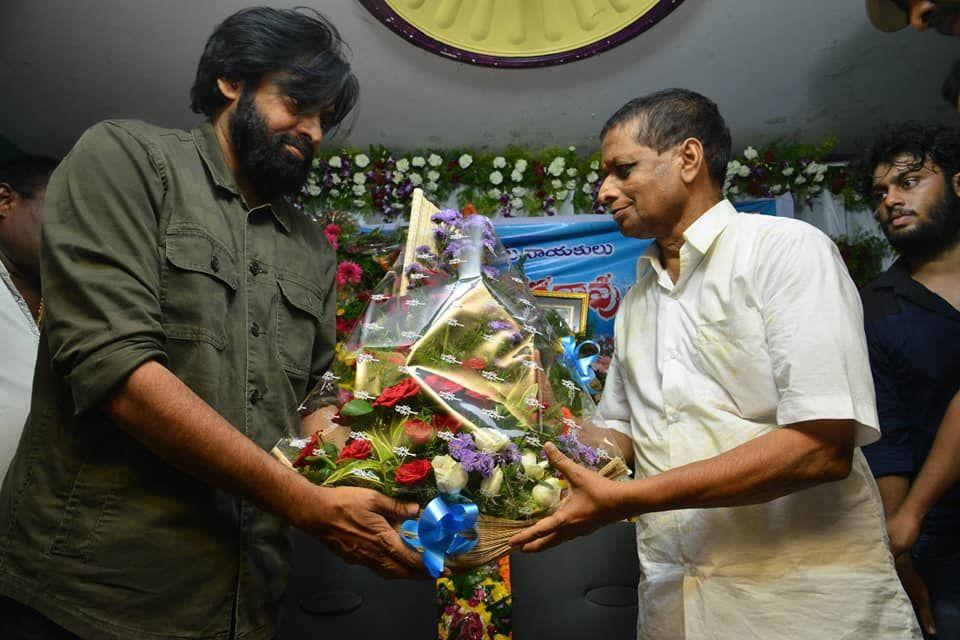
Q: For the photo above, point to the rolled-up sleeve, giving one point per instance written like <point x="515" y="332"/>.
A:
<point x="814" y="330"/>
<point x="893" y="453"/>
<point x="100" y="263"/>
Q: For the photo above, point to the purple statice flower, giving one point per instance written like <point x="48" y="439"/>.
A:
<point x="576" y="450"/>
<point x="461" y="443"/>
<point x="499" y="325"/>
<point x="478" y="461"/>
<point x="516" y="337"/>
<point x="490" y="272"/>
<point x="447" y="216"/>
<point x="508" y="455"/>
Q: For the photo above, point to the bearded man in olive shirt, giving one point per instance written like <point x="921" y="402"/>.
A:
<point x="189" y="309"/>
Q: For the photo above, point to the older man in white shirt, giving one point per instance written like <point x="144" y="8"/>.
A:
<point x="741" y="383"/>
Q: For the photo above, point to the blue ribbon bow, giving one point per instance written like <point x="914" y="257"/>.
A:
<point x="583" y="372"/>
<point x="439" y="532"/>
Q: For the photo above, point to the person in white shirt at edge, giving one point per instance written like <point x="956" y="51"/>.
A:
<point x="23" y="183"/>
<point x="740" y="382"/>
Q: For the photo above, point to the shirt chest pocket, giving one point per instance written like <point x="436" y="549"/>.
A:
<point x="732" y="353"/>
<point x="298" y="321"/>
<point x="200" y="282"/>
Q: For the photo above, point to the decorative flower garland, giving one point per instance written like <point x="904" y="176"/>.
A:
<point x="519" y="182"/>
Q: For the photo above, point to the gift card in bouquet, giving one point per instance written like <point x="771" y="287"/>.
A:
<point x="446" y="392"/>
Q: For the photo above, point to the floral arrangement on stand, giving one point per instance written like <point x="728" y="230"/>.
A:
<point x="476" y="605"/>
<point x="521" y="182"/>
<point x="863" y="254"/>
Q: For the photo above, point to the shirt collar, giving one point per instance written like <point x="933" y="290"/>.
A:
<point x="212" y="155"/>
<point x="698" y="238"/>
<point x="898" y="281"/>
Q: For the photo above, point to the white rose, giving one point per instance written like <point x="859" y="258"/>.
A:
<point x="595" y="164"/>
<point x="335" y="179"/>
<point x="435" y="160"/>
<point x="416" y="179"/>
<point x="359" y="190"/>
<point x="451" y="477"/>
<point x="750" y="153"/>
<point x="359" y="178"/>
<point x="571" y="172"/>
<point x="520" y="165"/>
<point x="496" y="177"/>
<point x="465" y="160"/>
<point x="490" y="440"/>
<point x="491" y="485"/>
<point x="433" y="176"/>
<point x="431" y="186"/>
<point x="519" y="192"/>
<point x="592" y="177"/>
<point x="556" y="184"/>
<point x="516" y="203"/>
<point x="800" y="180"/>
<point x="562" y="194"/>
<point x="788" y="171"/>
<point x="818" y="177"/>
<point x="547" y="493"/>
<point x="733" y="167"/>
<point x="499" y="162"/>
<point x="334" y="193"/>
<point x="397" y="178"/>
<point x="335" y="162"/>
<point x="418" y="161"/>
<point x="813" y="167"/>
<point x="556" y="166"/>
<point x="586" y="189"/>
<point x="777" y="188"/>
<point x="571" y="184"/>
<point x="516" y="176"/>
<point x="494" y="193"/>
<point x="361" y="160"/>
<point x="313" y="190"/>
<point x="403" y="165"/>
<point x="532" y="466"/>
<point x="744" y="171"/>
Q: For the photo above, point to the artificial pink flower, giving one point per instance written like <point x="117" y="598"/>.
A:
<point x="332" y="231"/>
<point x="348" y="272"/>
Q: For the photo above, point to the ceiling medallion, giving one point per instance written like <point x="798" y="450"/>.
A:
<point x="518" y="33"/>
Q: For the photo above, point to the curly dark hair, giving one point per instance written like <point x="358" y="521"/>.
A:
<point x="299" y="42"/>
<point x="667" y="118"/>
<point x="939" y="144"/>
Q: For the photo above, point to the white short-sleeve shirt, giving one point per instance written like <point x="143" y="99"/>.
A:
<point x="762" y="329"/>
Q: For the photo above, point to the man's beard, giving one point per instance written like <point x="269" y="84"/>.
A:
<point x="928" y="238"/>
<point x="269" y="168"/>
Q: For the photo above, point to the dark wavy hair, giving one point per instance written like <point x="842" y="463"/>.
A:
<point x="940" y="144"/>
<point x="667" y="118"/>
<point x="25" y="174"/>
<point x="300" y="43"/>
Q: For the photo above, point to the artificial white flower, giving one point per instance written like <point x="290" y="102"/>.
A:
<point x="433" y="176"/>
<point x="733" y="167"/>
<point x="571" y="148"/>
<point x="496" y="177"/>
<point x="335" y="162"/>
<point x="418" y="161"/>
<point x="586" y="189"/>
<point x="431" y="186"/>
<point x="813" y="167"/>
<point x="547" y="493"/>
<point x="313" y="190"/>
<point x="777" y="188"/>
<point x="416" y="179"/>
<point x="516" y="203"/>
<point x="571" y="172"/>
<point x="734" y="190"/>
<point x="494" y="193"/>
<point x="398" y="177"/>
<point x="435" y="160"/>
<point x="592" y="177"/>
<point x="334" y="193"/>
<point x="532" y="466"/>
<point x="359" y="190"/>
<point x="750" y="153"/>
<point x="491" y="485"/>
<point x="499" y="162"/>
<point x="358" y="202"/>
<point x="744" y="171"/>
<point x="520" y="165"/>
<point x="571" y="184"/>
<point x="490" y="440"/>
<point x="361" y="160"/>
<point x="335" y="179"/>
<point x="403" y="165"/>
<point x="562" y="194"/>
<point x="595" y="164"/>
<point x="359" y="177"/>
<point x="519" y="192"/>
<point x="465" y="160"/>
<point x="556" y="166"/>
<point x="818" y="177"/>
<point x="516" y="176"/>
<point x="799" y="180"/>
<point x="556" y="184"/>
<point x="788" y="171"/>
<point x="451" y="477"/>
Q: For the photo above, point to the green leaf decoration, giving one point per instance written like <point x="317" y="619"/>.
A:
<point x="356" y="408"/>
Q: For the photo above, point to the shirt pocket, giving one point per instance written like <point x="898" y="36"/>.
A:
<point x="200" y="280"/>
<point x="732" y="353"/>
<point x="298" y="320"/>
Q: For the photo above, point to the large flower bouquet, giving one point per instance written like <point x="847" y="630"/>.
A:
<point x="448" y="388"/>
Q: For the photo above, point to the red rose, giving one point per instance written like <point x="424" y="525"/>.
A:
<point x="413" y="472"/>
<point x="768" y="156"/>
<point x="406" y="388"/>
<point x="306" y="451"/>
<point x="358" y="449"/>
<point x="441" y="384"/>
<point x="418" y="431"/>
<point x="443" y="422"/>
<point x="395" y="358"/>
<point x="476" y="363"/>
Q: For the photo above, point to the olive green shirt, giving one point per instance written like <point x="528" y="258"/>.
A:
<point x="149" y="253"/>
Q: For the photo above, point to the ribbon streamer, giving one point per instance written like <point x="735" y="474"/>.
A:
<point x="583" y="372"/>
<point x="439" y="532"/>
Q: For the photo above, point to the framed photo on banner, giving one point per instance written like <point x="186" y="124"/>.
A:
<point x="571" y="305"/>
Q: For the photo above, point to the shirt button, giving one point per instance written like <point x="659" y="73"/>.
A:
<point x="255" y="396"/>
<point x="215" y="264"/>
<point x="255" y="330"/>
<point x="256" y="267"/>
